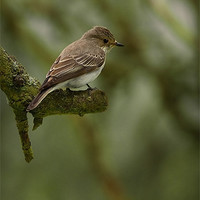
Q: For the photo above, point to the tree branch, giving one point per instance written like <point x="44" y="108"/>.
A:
<point x="20" y="88"/>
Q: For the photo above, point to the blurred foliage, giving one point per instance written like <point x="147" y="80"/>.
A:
<point x="145" y="146"/>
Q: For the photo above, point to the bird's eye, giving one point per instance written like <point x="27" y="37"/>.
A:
<point x="105" y="41"/>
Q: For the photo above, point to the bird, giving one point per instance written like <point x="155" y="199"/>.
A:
<point x="78" y="64"/>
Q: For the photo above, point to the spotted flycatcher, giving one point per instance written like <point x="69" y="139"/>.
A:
<point x="78" y="64"/>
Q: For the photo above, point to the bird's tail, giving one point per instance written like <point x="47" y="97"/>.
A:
<point x="37" y="100"/>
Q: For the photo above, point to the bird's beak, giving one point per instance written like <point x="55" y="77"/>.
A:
<point x="118" y="44"/>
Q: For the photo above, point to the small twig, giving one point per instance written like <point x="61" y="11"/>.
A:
<point x="22" y="125"/>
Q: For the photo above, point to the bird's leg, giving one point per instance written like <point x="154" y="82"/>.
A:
<point x="68" y="90"/>
<point x="89" y="88"/>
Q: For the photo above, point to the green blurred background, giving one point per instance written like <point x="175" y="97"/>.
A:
<point x="145" y="146"/>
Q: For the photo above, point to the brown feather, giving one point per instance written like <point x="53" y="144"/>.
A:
<point x="36" y="101"/>
<point x="71" y="67"/>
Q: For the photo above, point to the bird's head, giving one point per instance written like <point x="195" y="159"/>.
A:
<point x="102" y="37"/>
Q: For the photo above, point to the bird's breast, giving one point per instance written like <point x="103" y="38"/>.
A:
<point x="85" y="78"/>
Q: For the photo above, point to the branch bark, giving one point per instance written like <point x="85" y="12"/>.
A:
<point x="20" y="88"/>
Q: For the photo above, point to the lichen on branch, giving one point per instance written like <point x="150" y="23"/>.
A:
<point x="20" y="88"/>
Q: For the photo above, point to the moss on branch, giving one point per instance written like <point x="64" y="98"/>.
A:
<point x="20" y="89"/>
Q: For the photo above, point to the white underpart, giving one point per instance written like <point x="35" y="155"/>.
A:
<point x="80" y="80"/>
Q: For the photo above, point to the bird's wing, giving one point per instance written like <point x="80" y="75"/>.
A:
<point x="72" y="66"/>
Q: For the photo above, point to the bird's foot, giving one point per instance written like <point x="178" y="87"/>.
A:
<point x="90" y="89"/>
<point x="68" y="90"/>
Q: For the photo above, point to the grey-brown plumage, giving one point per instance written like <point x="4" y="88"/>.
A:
<point x="78" y="64"/>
